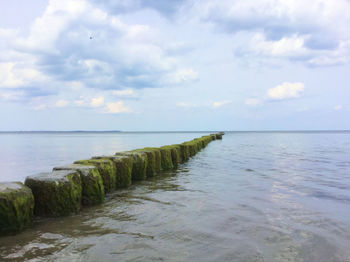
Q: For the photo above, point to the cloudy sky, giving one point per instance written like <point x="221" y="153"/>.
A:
<point x="174" y="65"/>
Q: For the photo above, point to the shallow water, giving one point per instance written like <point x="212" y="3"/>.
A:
<point x="249" y="197"/>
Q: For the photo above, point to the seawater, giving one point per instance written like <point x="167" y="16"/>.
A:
<point x="278" y="196"/>
<point x="28" y="153"/>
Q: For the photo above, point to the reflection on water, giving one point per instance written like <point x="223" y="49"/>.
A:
<point x="249" y="197"/>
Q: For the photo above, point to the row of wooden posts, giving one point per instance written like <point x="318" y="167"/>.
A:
<point x="86" y="182"/>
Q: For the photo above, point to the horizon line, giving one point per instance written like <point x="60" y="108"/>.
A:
<point x="172" y="131"/>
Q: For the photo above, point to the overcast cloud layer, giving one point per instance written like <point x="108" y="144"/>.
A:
<point x="174" y="65"/>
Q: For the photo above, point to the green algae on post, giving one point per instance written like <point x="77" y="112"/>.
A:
<point x="207" y="140"/>
<point x="176" y="155"/>
<point x="123" y="168"/>
<point x="106" y="169"/>
<point x="92" y="185"/>
<point x="198" y="144"/>
<point x="191" y="148"/>
<point x="157" y="157"/>
<point x="175" y="152"/>
<point x="166" y="159"/>
<point x="151" y="161"/>
<point x="185" y="152"/>
<point x="218" y="136"/>
<point x="16" y="207"/>
<point x="139" y="167"/>
<point x="56" y="194"/>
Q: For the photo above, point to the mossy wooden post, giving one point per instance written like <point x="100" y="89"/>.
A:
<point x="204" y="141"/>
<point x="175" y="152"/>
<point x="123" y="168"/>
<point x="218" y="136"/>
<point x="92" y="184"/>
<point x="139" y="167"/>
<point x="208" y="139"/>
<point x="151" y="161"/>
<point x="56" y="194"/>
<point x="124" y="165"/>
<point x="16" y="207"/>
<point x="192" y="148"/>
<point x="198" y="144"/>
<point x="201" y="143"/>
<point x="106" y="168"/>
<point x="157" y="159"/>
<point x="185" y="152"/>
<point x="166" y="159"/>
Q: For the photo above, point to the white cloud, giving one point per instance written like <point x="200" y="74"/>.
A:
<point x="46" y="30"/>
<point x="124" y="93"/>
<point x="315" y="32"/>
<point x="253" y="102"/>
<point x="182" y="76"/>
<point x="7" y="76"/>
<point x="292" y="46"/>
<point x="79" y="102"/>
<point x="303" y="109"/>
<point x="286" y="91"/>
<point x="185" y="105"/>
<point x="13" y="75"/>
<point x="61" y="103"/>
<point x="12" y="95"/>
<point x="117" y="107"/>
<point x="76" y="86"/>
<point x="221" y="103"/>
<point x="58" y="56"/>
<point x="337" y="56"/>
<point x="40" y="107"/>
<point x="215" y="104"/>
<point x="283" y="91"/>
<point x="97" y="101"/>
<point x="338" y="107"/>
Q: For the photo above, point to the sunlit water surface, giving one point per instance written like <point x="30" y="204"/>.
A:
<point x="250" y="197"/>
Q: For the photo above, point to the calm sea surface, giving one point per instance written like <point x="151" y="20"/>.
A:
<point x="24" y="154"/>
<point x="250" y="197"/>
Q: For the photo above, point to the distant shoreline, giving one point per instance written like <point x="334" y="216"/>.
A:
<point x="201" y="131"/>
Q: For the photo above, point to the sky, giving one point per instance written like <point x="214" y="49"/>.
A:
<point x="176" y="65"/>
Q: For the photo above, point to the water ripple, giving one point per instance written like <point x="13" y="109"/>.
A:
<point x="251" y="197"/>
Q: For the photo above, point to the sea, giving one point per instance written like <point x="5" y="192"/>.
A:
<point x="252" y="196"/>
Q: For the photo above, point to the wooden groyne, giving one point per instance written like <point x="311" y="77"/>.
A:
<point x="68" y="188"/>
